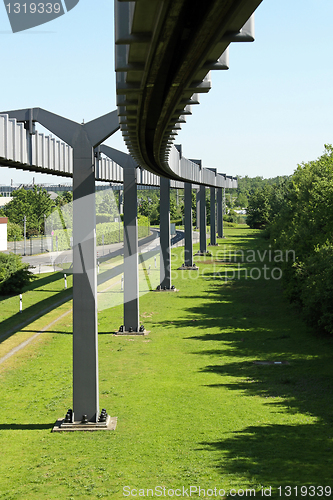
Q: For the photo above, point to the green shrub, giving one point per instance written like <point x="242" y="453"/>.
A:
<point x="32" y="232"/>
<point x="14" y="274"/>
<point x="100" y="218"/>
<point x="14" y="231"/>
<point x="230" y="217"/>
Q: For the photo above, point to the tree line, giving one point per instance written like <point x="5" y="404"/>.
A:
<point x="36" y="205"/>
<point x="296" y="213"/>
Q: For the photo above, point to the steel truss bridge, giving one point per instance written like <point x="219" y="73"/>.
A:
<point x="36" y="152"/>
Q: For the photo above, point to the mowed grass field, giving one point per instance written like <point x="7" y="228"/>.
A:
<point x="194" y="408"/>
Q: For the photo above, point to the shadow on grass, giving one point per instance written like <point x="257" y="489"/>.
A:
<point x="25" y="427"/>
<point x="276" y="455"/>
<point x="247" y="320"/>
<point x="37" y="283"/>
<point x="20" y="320"/>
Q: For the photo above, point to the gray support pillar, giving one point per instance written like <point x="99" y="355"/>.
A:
<point x="188" y="224"/>
<point x="85" y="349"/>
<point x="131" y="263"/>
<point x="83" y="138"/>
<point x="197" y="198"/>
<point x="165" y="265"/>
<point x="203" y="223"/>
<point x="131" y="267"/>
<point x="219" y="213"/>
<point x="212" y="217"/>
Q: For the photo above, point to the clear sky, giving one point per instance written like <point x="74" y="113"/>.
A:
<point x="269" y="112"/>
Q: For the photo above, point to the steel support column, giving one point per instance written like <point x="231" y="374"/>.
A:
<point x="188" y="251"/>
<point x="219" y="213"/>
<point x="131" y="263"/>
<point x="203" y="223"/>
<point x="197" y="205"/>
<point x="165" y="264"/>
<point x="85" y="349"/>
<point x="83" y="138"/>
<point x="212" y="217"/>
<point x="131" y="267"/>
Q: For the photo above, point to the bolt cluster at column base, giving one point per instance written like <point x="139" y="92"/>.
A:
<point x="165" y="289"/>
<point x="62" y="426"/>
<point x="131" y="332"/>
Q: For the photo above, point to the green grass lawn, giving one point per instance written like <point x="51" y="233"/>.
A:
<point x="193" y="408"/>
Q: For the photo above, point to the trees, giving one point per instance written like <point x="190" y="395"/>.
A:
<point x="64" y="198"/>
<point x="14" y="231"/>
<point x="258" y="210"/>
<point x="30" y="203"/>
<point x="303" y="223"/>
<point x="149" y="205"/>
<point x="14" y="275"/>
<point x="106" y="204"/>
<point x="247" y="186"/>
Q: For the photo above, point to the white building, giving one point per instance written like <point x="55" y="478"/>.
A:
<point x="4" y="200"/>
<point x="3" y="233"/>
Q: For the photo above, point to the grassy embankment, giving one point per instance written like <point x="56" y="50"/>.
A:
<point x="193" y="408"/>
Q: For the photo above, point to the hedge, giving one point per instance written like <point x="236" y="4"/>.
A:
<point x="113" y="233"/>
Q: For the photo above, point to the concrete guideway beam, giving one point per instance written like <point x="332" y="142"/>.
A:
<point x="83" y="138"/>
<point x="151" y="43"/>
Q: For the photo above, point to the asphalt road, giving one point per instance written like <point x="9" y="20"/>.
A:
<point x="45" y="262"/>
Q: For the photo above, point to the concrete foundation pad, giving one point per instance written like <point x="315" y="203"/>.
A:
<point x="167" y="290"/>
<point x="109" y="425"/>
<point x="188" y="268"/>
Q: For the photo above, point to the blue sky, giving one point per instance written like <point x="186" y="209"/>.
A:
<point x="269" y="112"/>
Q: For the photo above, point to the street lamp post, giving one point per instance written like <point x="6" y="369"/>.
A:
<point x="53" y="206"/>
<point x="42" y="236"/>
